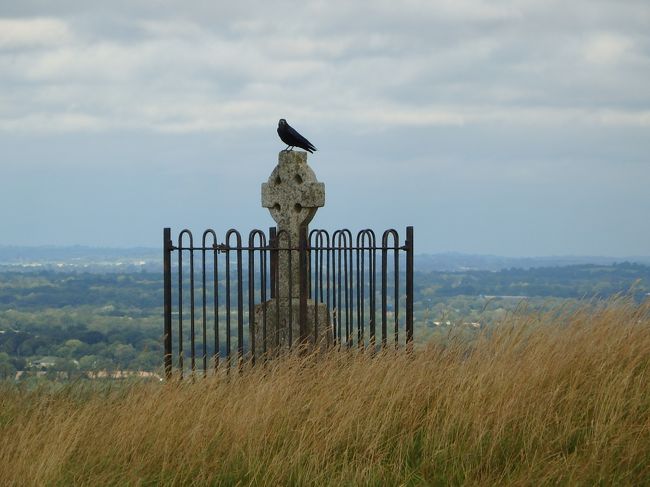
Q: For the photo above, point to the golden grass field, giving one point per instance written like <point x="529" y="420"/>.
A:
<point x="543" y="399"/>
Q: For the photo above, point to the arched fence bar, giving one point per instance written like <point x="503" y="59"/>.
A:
<point x="349" y="291"/>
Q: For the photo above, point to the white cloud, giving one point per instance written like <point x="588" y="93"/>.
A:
<point x="35" y="32"/>
<point x="417" y="63"/>
<point x="54" y="123"/>
<point x="607" y="48"/>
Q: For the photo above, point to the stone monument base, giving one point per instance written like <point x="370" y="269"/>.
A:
<point x="277" y="334"/>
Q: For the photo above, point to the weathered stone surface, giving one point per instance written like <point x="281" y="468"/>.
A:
<point x="293" y="195"/>
<point x="277" y="332"/>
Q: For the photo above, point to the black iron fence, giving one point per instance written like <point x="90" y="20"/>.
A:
<point x="235" y="310"/>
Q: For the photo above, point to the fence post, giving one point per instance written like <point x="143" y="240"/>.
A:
<point x="167" y="272"/>
<point x="409" y="286"/>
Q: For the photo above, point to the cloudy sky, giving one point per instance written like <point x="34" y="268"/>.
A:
<point x="503" y="127"/>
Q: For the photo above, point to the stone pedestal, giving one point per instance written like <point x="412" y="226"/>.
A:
<point x="277" y="332"/>
<point x="293" y="195"/>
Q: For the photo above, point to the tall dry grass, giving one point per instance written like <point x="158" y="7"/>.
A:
<point x="562" y="397"/>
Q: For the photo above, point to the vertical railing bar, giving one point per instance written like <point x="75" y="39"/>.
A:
<point x="362" y="338"/>
<point x="290" y="300"/>
<point x="240" y="296"/>
<point x="167" y="309"/>
<point x="351" y="291"/>
<point x="263" y="261"/>
<point x="273" y="282"/>
<point x="409" y="287"/>
<point x="396" y="297"/>
<point x="261" y="248"/>
<point x="372" y="278"/>
<point x="384" y="290"/>
<point x="303" y="291"/>
<point x="323" y="250"/>
<point x="364" y="286"/>
<point x="251" y="294"/>
<point x="276" y="284"/>
<point x="273" y="258"/>
<point x="315" y="273"/>
<point x="337" y="294"/>
<point x="327" y="280"/>
<point x="215" y="283"/>
<point x="309" y="265"/>
<point x="320" y="271"/>
<point x="362" y="328"/>
<point x="358" y="290"/>
<point x="344" y="252"/>
<point x="180" y="307"/>
<point x="180" y="295"/>
<point x="204" y="254"/>
<point x="348" y="331"/>
<point x="192" y="311"/>
<point x="228" y="309"/>
<point x="204" y="311"/>
<point x="240" y="304"/>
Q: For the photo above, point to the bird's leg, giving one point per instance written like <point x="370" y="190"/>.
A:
<point x="287" y="149"/>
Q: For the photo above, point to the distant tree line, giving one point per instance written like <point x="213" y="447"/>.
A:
<point x="83" y="322"/>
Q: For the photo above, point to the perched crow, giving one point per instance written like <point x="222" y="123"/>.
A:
<point x="292" y="138"/>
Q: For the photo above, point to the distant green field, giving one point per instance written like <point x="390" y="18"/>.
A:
<point x="56" y="324"/>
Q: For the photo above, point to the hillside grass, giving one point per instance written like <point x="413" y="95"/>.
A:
<point x="542" y="399"/>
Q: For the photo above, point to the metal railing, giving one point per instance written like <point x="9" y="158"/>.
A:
<point x="233" y="309"/>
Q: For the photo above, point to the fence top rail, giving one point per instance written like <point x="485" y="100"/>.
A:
<point x="317" y="240"/>
<point x="228" y="248"/>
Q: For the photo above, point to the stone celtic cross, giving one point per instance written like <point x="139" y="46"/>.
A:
<point x="292" y="195"/>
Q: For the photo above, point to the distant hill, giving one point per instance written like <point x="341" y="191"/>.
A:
<point x="100" y="259"/>
<point x="80" y="258"/>
<point x="457" y="262"/>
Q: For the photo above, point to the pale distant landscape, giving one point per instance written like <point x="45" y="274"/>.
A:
<point x="79" y="313"/>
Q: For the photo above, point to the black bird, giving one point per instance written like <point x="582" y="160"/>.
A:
<point x="292" y="138"/>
